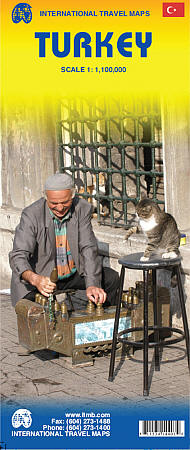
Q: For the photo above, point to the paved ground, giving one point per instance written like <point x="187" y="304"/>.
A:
<point x="39" y="376"/>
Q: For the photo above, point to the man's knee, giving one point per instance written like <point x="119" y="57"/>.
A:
<point x="110" y="278"/>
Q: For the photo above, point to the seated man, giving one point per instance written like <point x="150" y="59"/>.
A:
<point x="56" y="231"/>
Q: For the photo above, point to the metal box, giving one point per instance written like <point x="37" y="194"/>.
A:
<point x="78" y="335"/>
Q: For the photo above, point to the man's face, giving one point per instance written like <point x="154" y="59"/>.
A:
<point x="59" y="202"/>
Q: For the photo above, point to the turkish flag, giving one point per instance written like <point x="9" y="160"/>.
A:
<point x="173" y="9"/>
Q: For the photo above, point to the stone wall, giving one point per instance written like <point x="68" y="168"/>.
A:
<point x="176" y="119"/>
<point x="28" y="155"/>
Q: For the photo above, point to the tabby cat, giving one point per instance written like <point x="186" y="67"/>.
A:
<point x="160" y="229"/>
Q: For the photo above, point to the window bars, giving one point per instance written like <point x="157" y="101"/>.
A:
<point x="113" y="150"/>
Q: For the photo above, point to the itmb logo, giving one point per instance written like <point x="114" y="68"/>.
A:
<point x="22" y="417"/>
<point x="173" y="10"/>
<point x="22" y="11"/>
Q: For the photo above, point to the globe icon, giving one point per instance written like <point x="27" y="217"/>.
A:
<point x="22" y="11"/>
<point x="21" y="417"/>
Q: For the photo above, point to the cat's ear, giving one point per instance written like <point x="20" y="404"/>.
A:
<point x="142" y="197"/>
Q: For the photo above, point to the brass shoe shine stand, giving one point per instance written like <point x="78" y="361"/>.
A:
<point x="47" y="323"/>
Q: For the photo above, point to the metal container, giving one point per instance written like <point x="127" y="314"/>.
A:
<point x="76" y="335"/>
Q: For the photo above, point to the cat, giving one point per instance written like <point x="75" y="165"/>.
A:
<point x="92" y="190"/>
<point x="160" y="228"/>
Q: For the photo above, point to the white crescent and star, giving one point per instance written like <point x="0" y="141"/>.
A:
<point x="171" y="10"/>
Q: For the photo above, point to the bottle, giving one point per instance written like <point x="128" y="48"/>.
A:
<point x="43" y="301"/>
<point x="64" y="312"/>
<point x="130" y="296"/>
<point x="40" y="299"/>
<point x="54" y="275"/>
<point x="99" y="309"/>
<point x="135" y="298"/>
<point x="124" y="298"/>
<point x="90" y="307"/>
<point x="57" y="308"/>
<point x="37" y="298"/>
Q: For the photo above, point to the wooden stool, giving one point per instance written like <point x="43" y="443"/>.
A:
<point x="133" y="262"/>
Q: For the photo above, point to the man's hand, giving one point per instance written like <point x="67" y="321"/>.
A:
<point x="43" y="284"/>
<point x="96" y="294"/>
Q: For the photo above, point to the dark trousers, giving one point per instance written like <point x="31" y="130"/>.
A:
<point x="110" y="283"/>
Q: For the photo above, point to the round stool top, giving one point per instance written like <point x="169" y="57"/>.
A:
<point x="132" y="261"/>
